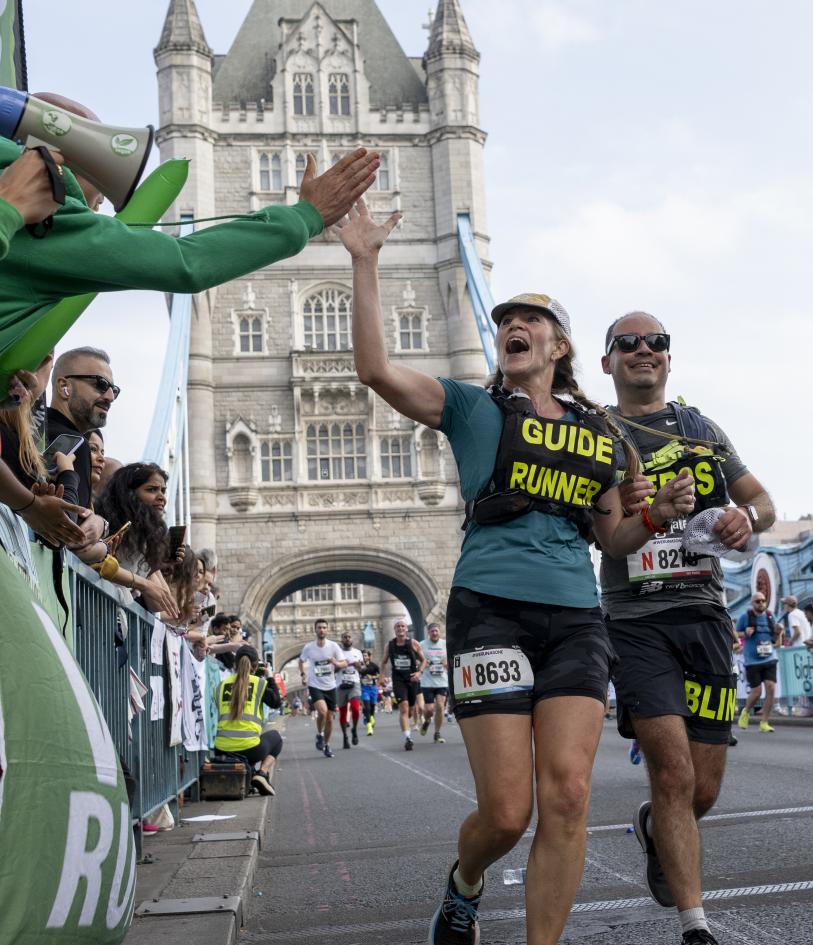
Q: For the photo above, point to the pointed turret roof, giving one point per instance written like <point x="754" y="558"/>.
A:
<point x="245" y="73"/>
<point x="182" y="29"/>
<point x="449" y="31"/>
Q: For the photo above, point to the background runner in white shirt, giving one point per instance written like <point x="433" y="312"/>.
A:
<point x="323" y="657"/>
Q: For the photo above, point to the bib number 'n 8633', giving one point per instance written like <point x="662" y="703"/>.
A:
<point x="492" y="671"/>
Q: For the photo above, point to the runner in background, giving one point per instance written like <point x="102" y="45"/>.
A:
<point x="434" y="681"/>
<point x="369" y="689"/>
<point x="323" y="657"/>
<point x="348" y="693"/>
<point x="407" y="661"/>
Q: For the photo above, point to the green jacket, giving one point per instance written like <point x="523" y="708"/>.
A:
<point x="90" y="252"/>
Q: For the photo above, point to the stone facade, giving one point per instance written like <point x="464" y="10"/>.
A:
<point x="299" y="474"/>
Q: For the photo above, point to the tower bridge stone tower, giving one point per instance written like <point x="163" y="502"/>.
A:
<point x="300" y="476"/>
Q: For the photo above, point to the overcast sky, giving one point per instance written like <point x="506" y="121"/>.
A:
<point x="640" y="155"/>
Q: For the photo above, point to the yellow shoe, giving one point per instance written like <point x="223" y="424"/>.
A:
<point x="369" y="728"/>
<point x="744" y="719"/>
<point x="765" y="727"/>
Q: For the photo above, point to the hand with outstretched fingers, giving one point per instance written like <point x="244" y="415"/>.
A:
<point x="733" y="528"/>
<point x="634" y="492"/>
<point x="25" y="184"/>
<point x="675" y="499"/>
<point x="334" y="192"/>
<point x="48" y="517"/>
<point x="361" y="235"/>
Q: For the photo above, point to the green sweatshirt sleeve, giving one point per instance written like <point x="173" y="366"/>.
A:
<point x="89" y="252"/>
<point x="10" y="222"/>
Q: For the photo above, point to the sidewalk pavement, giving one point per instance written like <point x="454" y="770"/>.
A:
<point x="194" y="884"/>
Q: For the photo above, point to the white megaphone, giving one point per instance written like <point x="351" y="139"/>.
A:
<point x="111" y="158"/>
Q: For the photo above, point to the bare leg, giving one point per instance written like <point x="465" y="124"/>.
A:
<point x="709" y="767"/>
<point x="770" y="694"/>
<point x="567" y="730"/>
<point x="501" y="759"/>
<point x="752" y="698"/>
<point x="669" y="761"/>
<point x="328" y="724"/>
<point x="267" y="765"/>
<point x="440" y="706"/>
<point x="403" y="715"/>
<point x="321" y="716"/>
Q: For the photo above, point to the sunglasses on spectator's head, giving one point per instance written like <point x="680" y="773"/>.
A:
<point x="100" y="383"/>
<point x="656" y="341"/>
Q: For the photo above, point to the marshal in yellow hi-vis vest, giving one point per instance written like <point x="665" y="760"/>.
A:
<point x="243" y="733"/>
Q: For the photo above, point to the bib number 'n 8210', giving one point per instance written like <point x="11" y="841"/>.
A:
<point x="495" y="671"/>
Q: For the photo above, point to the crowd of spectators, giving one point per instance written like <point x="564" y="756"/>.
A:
<point x="58" y="489"/>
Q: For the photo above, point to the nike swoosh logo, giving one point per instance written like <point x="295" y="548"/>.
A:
<point x="671" y="423"/>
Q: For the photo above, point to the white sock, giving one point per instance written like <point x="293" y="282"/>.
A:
<point x="407" y="734"/>
<point x="693" y="919"/>
<point x="463" y="887"/>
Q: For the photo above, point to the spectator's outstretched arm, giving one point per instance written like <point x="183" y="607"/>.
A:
<point x="47" y="515"/>
<point x="89" y="252"/>
<point x="25" y="195"/>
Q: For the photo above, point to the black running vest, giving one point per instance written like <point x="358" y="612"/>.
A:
<point x="403" y="659"/>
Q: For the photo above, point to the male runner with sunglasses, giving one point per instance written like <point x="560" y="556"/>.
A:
<point x="667" y="620"/>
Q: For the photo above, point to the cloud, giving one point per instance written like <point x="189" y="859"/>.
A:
<point x="558" y="27"/>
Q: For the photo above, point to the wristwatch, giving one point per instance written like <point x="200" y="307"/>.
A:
<point x="751" y="512"/>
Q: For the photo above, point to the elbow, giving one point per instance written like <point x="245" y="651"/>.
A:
<point x="371" y="376"/>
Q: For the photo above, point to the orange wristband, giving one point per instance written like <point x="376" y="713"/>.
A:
<point x="646" y="518"/>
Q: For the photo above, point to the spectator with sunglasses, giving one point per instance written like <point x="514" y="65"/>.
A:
<point x="82" y="392"/>
<point x="666" y="617"/>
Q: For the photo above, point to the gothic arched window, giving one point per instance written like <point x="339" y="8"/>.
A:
<point x="276" y="461"/>
<point x="326" y="317"/>
<point x="270" y="172"/>
<point x="241" y="459"/>
<point x="396" y="457"/>
<point x="336" y="451"/>
<point x="303" y="93"/>
<point x="251" y="335"/>
<point x="382" y="180"/>
<point x="338" y="90"/>
<point x="301" y="164"/>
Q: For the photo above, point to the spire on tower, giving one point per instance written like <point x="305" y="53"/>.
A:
<point x="449" y="32"/>
<point x="182" y="29"/>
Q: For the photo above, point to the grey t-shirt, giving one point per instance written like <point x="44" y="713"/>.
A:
<point x="619" y="597"/>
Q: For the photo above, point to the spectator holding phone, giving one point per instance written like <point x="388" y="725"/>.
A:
<point x="137" y="494"/>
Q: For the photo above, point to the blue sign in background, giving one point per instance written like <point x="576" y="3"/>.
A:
<point x="796" y="671"/>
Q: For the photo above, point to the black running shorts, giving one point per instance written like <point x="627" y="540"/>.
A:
<point x="758" y="673"/>
<point x="430" y="693"/>
<point x="405" y="691"/>
<point x="327" y="696"/>
<point x="507" y="655"/>
<point x="676" y="662"/>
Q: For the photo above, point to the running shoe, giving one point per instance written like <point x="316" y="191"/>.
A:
<point x="733" y="741"/>
<point x="455" y="922"/>
<point x="345" y="742"/>
<point x="261" y="781"/>
<point x="744" y="719"/>
<point x="766" y="727"/>
<point x="424" y="726"/>
<point x="699" y="937"/>
<point x="320" y="741"/>
<point x="369" y="728"/>
<point x="408" y="744"/>
<point x="635" y="752"/>
<point x="655" y="877"/>
<point x="354" y="737"/>
<point x="327" y="752"/>
<point x="439" y="739"/>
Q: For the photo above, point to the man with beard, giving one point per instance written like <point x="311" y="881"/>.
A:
<point x="82" y="393"/>
<point x="434" y="682"/>
<point x="348" y="692"/>
<point x="408" y="662"/>
<point x="666" y="616"/>
<point x="323" y="657"/>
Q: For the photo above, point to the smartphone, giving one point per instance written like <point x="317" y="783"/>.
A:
<point x="208" y="611"/>
<point x="67" y="443"/>
<point x="177" y="538"/>
<point x="119" y="533"/>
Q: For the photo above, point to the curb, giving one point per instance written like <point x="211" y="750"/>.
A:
<point x="196" y="882"/>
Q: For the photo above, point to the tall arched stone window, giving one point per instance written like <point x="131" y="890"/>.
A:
<point x="326" y="320"/>
<point x="242" y="462"/>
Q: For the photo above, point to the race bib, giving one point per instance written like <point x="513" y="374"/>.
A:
<point x="402" y="662"/>
<point x="491" y="671"/>
<point x="436" y="669"/>
<point x="323" y="668"/>
<point x="663" y="563"/>
<point x="765" y="649"/>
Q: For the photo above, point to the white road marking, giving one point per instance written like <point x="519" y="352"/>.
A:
<point x="735" y="815"/>
<point x="466" y="795"/>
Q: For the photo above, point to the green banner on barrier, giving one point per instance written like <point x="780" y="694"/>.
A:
<point x="796" y="671"/>
<point x="63" y="805"/>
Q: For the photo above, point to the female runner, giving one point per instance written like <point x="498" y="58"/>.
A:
<point x="528" y="652"/>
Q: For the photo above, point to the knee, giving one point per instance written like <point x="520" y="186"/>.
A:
<point x="673" y="778"/>
<point x="705" y="797"/>
<point x="770" y="687"/>
<point x="507" y="822"/>
<point x="565" y="797"/>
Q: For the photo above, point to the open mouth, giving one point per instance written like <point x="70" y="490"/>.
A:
<point x="516" y="344"/>
<point x="644" y="364"/>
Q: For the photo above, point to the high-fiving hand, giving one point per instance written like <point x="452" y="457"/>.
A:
<point x="361" y="235"/>
<point x="334" y="192"/>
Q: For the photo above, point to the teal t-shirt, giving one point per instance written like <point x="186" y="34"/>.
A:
<point x="536" y="557"/>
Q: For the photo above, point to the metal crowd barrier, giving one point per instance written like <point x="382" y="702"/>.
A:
<point x="161" y="773"/>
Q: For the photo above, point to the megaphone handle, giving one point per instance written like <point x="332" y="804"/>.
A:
<point x="57" y="181"/>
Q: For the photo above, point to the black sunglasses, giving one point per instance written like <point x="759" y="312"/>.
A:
<point x="656" y="341"/>
<point x="101" y="384"/>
